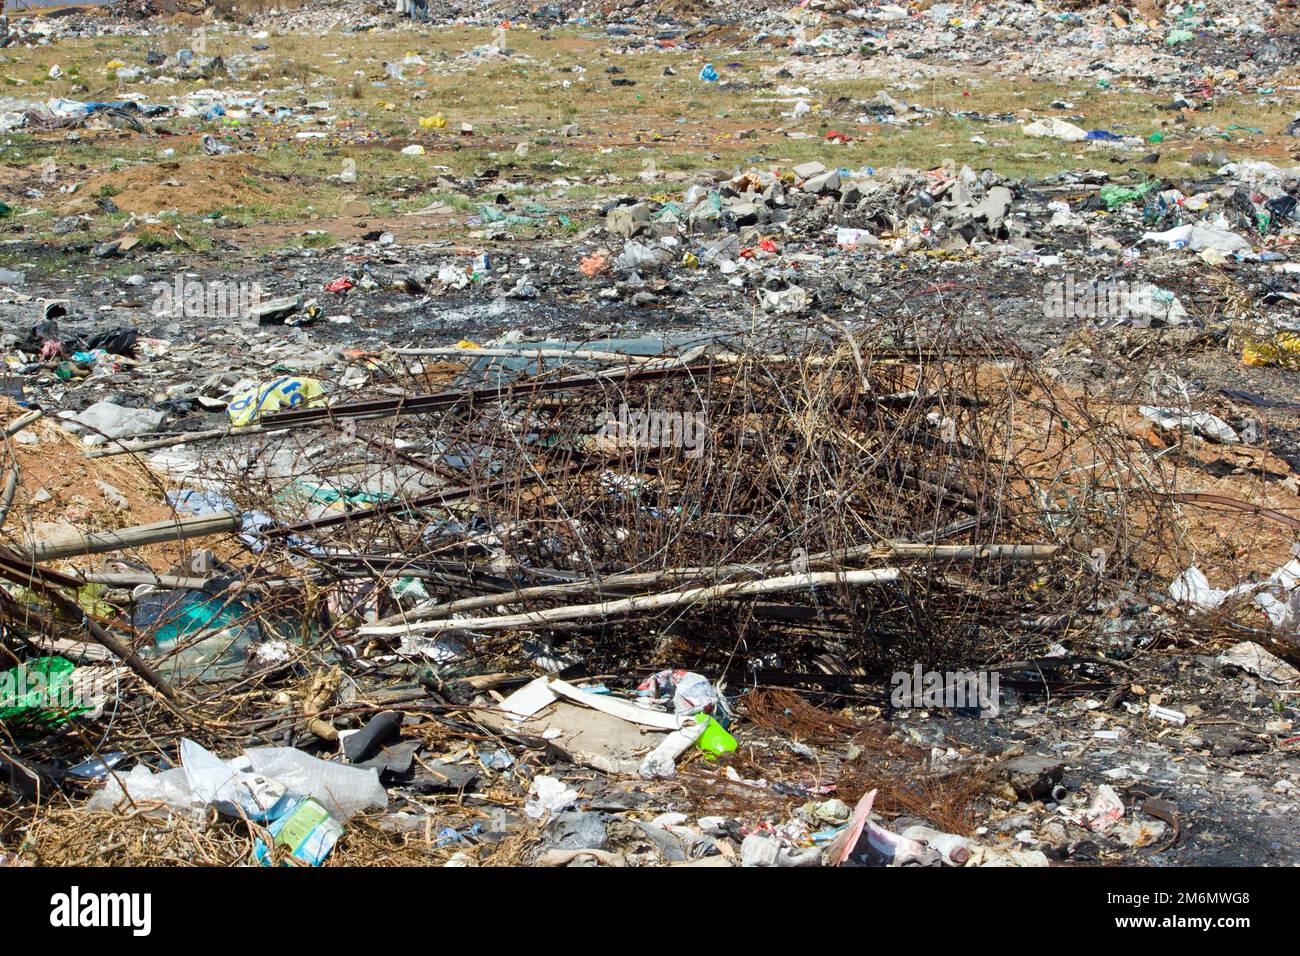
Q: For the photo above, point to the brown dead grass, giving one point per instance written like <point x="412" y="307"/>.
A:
<point x="71" y="836"/>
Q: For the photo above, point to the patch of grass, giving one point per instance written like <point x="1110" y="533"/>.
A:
<point x="318" y="240"/>
<point x="167" y="242"/>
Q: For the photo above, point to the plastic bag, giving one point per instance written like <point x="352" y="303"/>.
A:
<point x="262" y="784"/>
<point x="1198" y="239"/>
<point x="341" y="790"/>
<point x="784" y="301"/>
<point x="287" y="392"/>
<point x="39" y="691"/>
<point x="1113" y="196"/>
<point x="170" y="787"/>
<point x="1056" y="129"/>
<point x="114" y="421"/>
<point x="233" y="792"/>
<point x="548" y="795"/>
<point x="638" y="257"/>
<point x="1203" y="423"/>
<point x="692" y="693"/>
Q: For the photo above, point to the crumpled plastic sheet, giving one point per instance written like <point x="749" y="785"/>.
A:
<point x="204" y="779"/>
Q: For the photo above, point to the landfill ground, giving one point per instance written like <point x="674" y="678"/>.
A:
<point x="567" y="434"/>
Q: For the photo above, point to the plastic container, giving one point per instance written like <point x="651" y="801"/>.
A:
<point x="715" y="740"/>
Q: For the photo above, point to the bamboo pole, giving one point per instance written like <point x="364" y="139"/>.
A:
<point x="101" y="542"/>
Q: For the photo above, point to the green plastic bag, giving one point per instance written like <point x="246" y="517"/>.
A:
<point x="1116" y="196"/>
<point x="39" y="691"/>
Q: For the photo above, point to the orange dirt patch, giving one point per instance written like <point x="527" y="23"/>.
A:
<point x="59" y="493"/>
<point x="194" y="187"/>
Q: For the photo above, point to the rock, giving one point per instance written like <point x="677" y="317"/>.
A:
<point x="748" y="213"/>
<point x="113" y="495"/>
<point x="1139" y="833"/>
<point x="628" y="221"/>
<point x="443" y="777"/>
<point x="275" y="310"/>
<point x="1032" y="776"/>
<point x="995" y="206"/>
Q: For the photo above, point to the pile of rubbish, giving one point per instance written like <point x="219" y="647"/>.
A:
<point x="626" y="563"/>
<point x="820" y="512"/>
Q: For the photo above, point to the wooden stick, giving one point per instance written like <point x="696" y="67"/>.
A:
<point x="100" y="542"/>
<point x="620" y="582"/>
<point x="7" y="496"/>
<point x="649" y="602"/>
<point x="18" y="424"/>
<point x="116" y="579"/>
<point x="587" y="354"/>
<point x="126" y="447"/>
<point x="488" y="681"/>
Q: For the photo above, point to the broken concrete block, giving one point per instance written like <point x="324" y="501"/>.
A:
<point x="627" y="221"/>
<point x="824" y="183"/>
<point x="808" y="170"/>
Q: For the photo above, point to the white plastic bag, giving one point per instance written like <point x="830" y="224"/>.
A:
<point x="548" y="795"/>
<point x="233" y="792"/>
<point x="343" y="791"/>
<point x="228" y="785"/>
<point x="170" y="787"/>
<point x="114" y="421"/>
<point x="638" y="257"/>
<point x="1056" y="129"/>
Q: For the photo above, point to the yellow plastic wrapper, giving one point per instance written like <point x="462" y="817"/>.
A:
<point x="1283" y="350"/>
<point x="436" y="121"/>
<point x="287" y="392"/>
